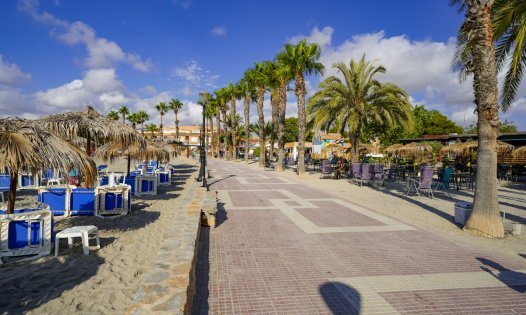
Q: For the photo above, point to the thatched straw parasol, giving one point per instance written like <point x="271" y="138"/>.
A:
<point x="26" y="145"/>
<point x="152" y="151"/>
<point x="469" y="147"/>
<point x="90" y="124"/>
<point x="367" y="148"/>
<point x="415" y="149"/>
<point x="520" y="151"/>
<point x="392" y="149"/>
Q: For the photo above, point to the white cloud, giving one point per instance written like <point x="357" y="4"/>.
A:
<point x="102" y="53"/>
<point x="194" y="78"/>
<point x="219" y="31"/>
<point x="149" y="89"/>
<point x="99" y="88"/>
<point x="11" y="74"/>
<point x="321" y="37"/>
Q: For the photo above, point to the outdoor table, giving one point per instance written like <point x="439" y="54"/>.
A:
<point x="464" y="178"/>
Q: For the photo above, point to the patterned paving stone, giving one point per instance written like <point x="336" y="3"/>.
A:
<point x="284" y="248"/>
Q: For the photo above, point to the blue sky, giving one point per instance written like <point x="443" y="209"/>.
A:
<point x="61" y="55"/>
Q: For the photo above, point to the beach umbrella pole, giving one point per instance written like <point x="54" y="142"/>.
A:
<point x="12" y="192"/>
<point x="128" y="172"/>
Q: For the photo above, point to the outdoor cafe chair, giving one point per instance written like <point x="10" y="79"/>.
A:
<point x="443" y="181"/>
<point x="326" y="169"/>
<point x="423" y="184"/>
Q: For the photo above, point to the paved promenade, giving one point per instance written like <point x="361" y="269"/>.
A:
<point x="282" y="247"/>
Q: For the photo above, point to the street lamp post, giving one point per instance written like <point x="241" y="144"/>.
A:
<point x="203" y="99"/>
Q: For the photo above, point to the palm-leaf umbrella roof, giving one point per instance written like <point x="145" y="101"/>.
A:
<point x="393" y="148"/>
<point x="25" y="145"/>
<point x="89" y="123"/>
<point x="520" y="151"/>
<point x="469" y="147"/>
<point x="415" y="149"/>
<point x="152" y="151"/>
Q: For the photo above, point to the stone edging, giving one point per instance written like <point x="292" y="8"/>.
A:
<point x="169" y="287"/>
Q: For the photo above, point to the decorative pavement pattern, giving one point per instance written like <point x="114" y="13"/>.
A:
<point x="281" y="247"/>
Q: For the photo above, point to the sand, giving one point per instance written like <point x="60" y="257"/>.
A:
<point x="105" y="281"/>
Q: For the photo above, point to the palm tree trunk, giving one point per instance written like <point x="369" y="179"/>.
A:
<point x="161" y="126"/>
<point x="233" y="127"/>
<point x="485" y="219"/>
<point x="142" y="127"/>
<point x="218" y="134"/>
<point x="176" y="127"/>
<point x="282" y="93"/>
<point x="124" y="119"/>
<point x="274" y="102"/>
<point x="247" y="125"/>
<point x="261" y="122"/>
<point x="12" y="191"/>
<point x="211" y="128"/>
<point x="302" y="118"/>
<point x="225" y="132"/>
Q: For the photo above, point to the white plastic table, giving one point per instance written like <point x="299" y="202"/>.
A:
<point x="77" y="231"/>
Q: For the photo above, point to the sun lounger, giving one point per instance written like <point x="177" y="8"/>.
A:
<point x="164" y="178"/>
<point x="56" y="198"/>
<point x="82" y="201"/>
<point x="145" y="185"/>
<point x="113" y="200"/>
<point x="27" y="232"/>
<point x="5" y="181"/>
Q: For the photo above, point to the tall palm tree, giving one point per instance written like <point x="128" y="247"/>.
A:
<point x="134" y="119"/>
<point x="142" y="117"/>
<point x="247" y="88"/>
<point x="214" y="108"/>
<point x="356" y="100"/>
<point x="210" y="112"/>
<point x="221" y="97"/>
<point x="273" y="86"/>
<point x="113" y="115"/>
<point x="152" y="128"/>
<point x="509" y="35"/>
<point x="124" y="110"/>
<point x="259" y="78"/>
<point x="302" y="59"/>
<point x="162" y="108"/>
<point x="283" y="74"/>
<point x="233" y="92"/>
<point x="485" y="219"/>
<point x="175" y="105"/>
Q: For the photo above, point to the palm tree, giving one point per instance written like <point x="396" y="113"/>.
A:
<point x="124" y="110"/>
<point x="283" y="74"/>
<point x="210" y="112"/>
<point x="302" y="58"/>
<point x="233" y="92"/>
<point x="259" y="78"/>
<point x="162" y="108"/>
<point x="358" y="100"/>
<point x="142" y="117"/>
<point x="485" y="219"/>
<point x="214" y="108"/>
<point x="221" y="97"/>
<point x="248" y="91"/>
<point x="151" y="128"/>
<point x="113" y="115"/>
<point x="175" y="105"/>
<point x="509" y="33"/>
<point x="134" y="119"/>
<point x="273" y="85"/>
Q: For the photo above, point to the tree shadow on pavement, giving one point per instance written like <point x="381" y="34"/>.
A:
<point x="513" y="279"/>
<point x="341" y="298"/>
<point x="221" y="215"/>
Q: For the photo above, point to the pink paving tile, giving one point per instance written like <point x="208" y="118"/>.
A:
<point x="331" y="214"/>
<point x="500" y="300"/>
<point x="254" y="198"/>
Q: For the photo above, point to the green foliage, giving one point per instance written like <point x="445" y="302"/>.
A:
<point x="256" y="151"/>
<point x="432" y="122"/>
<point x="291" y="130"/>
<point x="113" y="115"/>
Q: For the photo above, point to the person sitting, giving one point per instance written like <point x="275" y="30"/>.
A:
<point x="334" y="159"/>
<point x="340" y="168"/>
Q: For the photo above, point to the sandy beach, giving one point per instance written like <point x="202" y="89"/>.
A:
<point x="105" y="281"/>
